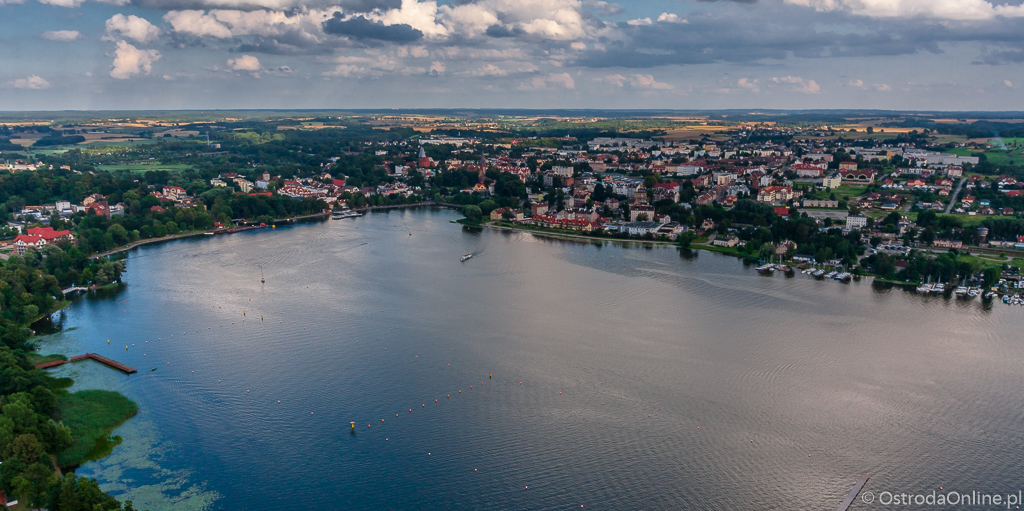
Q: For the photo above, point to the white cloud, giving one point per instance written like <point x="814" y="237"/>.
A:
<point x="504" y="69"/>
<point x="1008" y="83"/>
<point x="882" y="87"/>
<point x="562" y="80"/>
<point x="132" y="27"/>
<point x="749" y="84"/>
<point x="940" y="9"/>
<point x="30" y="82"/>
<point x="799" y="84"/>
<point x="668" y="17"/>
<point x="856" y="83"/>
<point x="245" y="63"/>
<point x="419" y="15"/>
<point x="61" y="3"/>
<point x="637" y="81"/>
<point x="130" y="61"/>
<point x="197" y="23"/>
<point x="62" y="35"/>
<point x="437" y="67"/>
<point x="640" y="22"/>
<point x="641" y="81"/>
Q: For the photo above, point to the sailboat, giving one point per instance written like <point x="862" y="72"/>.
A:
<point x="262" y="279"/>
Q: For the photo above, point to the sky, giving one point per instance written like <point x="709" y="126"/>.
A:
<point x="665" y="54"/>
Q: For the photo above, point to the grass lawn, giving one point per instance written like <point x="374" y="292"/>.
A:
<point x="92" y="415"/>
<point x="848" y="191"/>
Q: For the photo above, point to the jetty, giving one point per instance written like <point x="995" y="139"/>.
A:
<point x="853" y="494"/>
<point x="99" y="358"/>
<point x="74" y="289"/>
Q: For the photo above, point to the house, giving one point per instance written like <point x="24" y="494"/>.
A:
<point x="854" y="222"/>
<point x="26" y="241"/>
<point x="538" y="209"/>
<point x="784" y="247"/>
<point x="51" y="235"/>
<point x="726" y="241"/>
<point x="848" y="166"/>
<point x="948" y="244"/>
<point x="500" y="213"/>
<point x="774" y="194"/>
<point x="174" y="192"/>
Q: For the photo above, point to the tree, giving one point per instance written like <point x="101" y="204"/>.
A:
<point x="472" y="212"/>
<point x="928" y="236"/>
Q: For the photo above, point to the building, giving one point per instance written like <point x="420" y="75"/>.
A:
<point x="774" y="194"/>
<point x="636" y="211"/>
<point x="640" y="228"/>
<point x="848" y="166"/>
<point x="948" y="244"/>
<point x="820" y="203"/>
<point x="51" y="235"/>
<point x="26" y="241"/>
<point x="855" y="222"/>
<point x="832" y="182"/>
<point x="726" y="241"/>
<point x="859" y="176"/>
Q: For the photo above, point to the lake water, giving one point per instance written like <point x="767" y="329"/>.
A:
<point x="623" y="377"/>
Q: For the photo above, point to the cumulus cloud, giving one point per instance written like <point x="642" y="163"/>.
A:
<point x="1008" y="83"/>
<point x="197" y="23"/>
<point x="504" y="69"/>
<point x="941" y="9"/>
<point x="130" y="61"/>
<point x="799" y="84"/>
<point x="132" y="27"/>
<point x="61" y="35"/>
<point x="856" y="83"/>
<point x="639" y="22"/>
<point x="552" y="80"/>
<point x="245" y="63"/>
<point x="748" y="84"/>
<point x="669" y="17"/>
<point x="34" y="82"/>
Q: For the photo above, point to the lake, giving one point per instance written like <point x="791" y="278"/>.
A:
<point x="565" y="374"/>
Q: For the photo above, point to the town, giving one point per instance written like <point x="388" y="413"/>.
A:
<point x="916" y="205"/>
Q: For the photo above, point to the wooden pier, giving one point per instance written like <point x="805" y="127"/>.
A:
<point x="853" y="494"/>
<point x="99" y="358"/>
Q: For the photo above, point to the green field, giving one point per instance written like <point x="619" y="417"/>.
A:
<point x="145" y="167"/>
<point x="846" y="192"/>
<point x="1010" y="156"/>
<point x="92" y="415"/>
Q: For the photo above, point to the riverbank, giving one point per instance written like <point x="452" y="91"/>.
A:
<point x="565" y="235"/>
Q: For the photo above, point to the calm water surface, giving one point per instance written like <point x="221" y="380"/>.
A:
<point x="623" y="378"/>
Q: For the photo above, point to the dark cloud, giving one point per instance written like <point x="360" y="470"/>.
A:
<point x="359" y="27"/>
<point x="999" y="58"/>
<point x="503" y="31"/>
<point x="764" y="32"/>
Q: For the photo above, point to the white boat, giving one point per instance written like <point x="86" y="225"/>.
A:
<point x="938" y="287"/>
<point x="346" y="213"/>
<point x="831" y="274"/>
<point x="819" y="273"/>
<point x="924" y="288"/>
<point x="463" y="258"/>
<point x="961" y="290"/>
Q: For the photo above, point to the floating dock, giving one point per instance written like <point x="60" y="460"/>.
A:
<point x="99" y="358"/>
<point x="853" y="494"/>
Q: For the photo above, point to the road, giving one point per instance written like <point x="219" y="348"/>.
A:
<point x="952" y="198"/>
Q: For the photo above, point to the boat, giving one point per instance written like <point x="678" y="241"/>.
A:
<point x="766" y="268"/>
<point x="463" y="258"/>
<point x="924" y="288"/>
<point x="831" y="274"/>
<point x="819" y="273"/>
<point x="961" y="291"/>
<point x="345" y="213"/>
